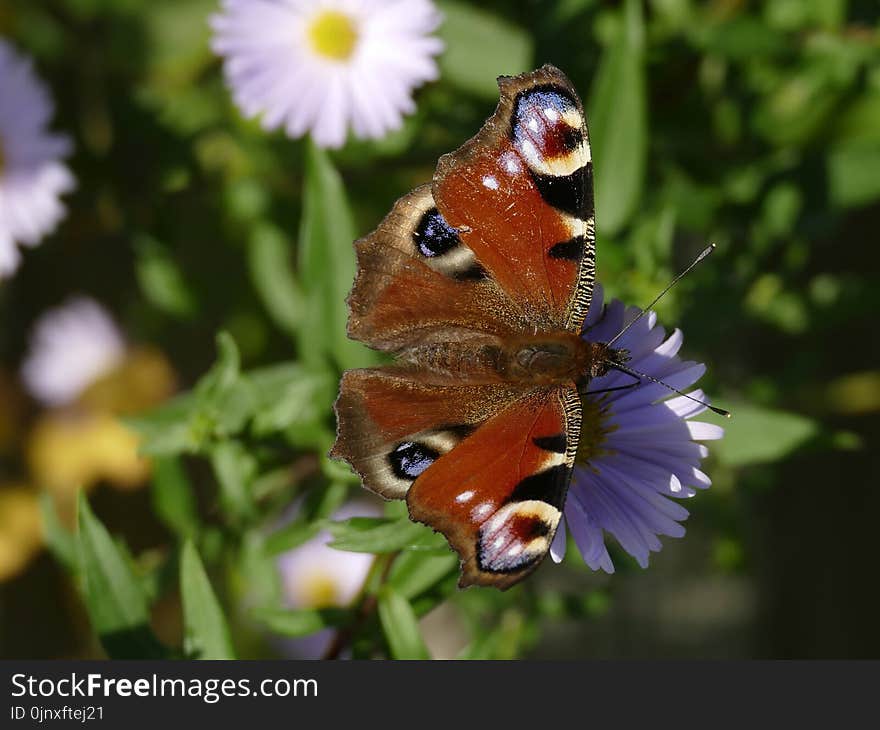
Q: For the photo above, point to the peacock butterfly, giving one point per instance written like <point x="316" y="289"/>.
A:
<point x="479" y="284"/>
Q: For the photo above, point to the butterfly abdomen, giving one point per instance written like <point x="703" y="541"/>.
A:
<point x="530" y="360"/>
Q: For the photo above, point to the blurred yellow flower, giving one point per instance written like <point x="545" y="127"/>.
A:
<point x="143" y="379"/>
<point x="21" y="530"/>
<point x="80" y="365"/>
<point x="87" y="376"/>
<point x="68" y="450"/>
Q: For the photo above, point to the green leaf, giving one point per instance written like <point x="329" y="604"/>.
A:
<point x="269" y="256"/>
<point x="304" y="621"/>
<point x="327" y="266"/>
<point x="161" y="280"/>
<point x="757" y="435"/>
<point x="220" y="405"/>
<point x="293" y="535"/>
<point x="61" y="543"/>
<point x="247" y="199"/>
<point x="235" y="468"/>
<point x="853" y="178"/>
<point x="376" y="534"/>
<point x="168" y="429"/>
<point x="338" y="471"/>
<point x="319" y="505"/>
<point x="292" y="396"/>
<point x="114" y="599"/>
<point x="483" y="647"/>
<point x="799" y="108"/>
<point x="176" y="38"/>
<point x="504" y="640"/>
<point x="618" y="124"/>
<point x="225" y="371"/>
<point x="481" y="46"/>
<point x="414" y="572"/>
<point x="256" y="572"/>
<point x="400" y="626"/>
<point x="742" y="37"/>
<point x="173" y="498"/>
<point x="287" y="397"/>
<point x="226" y="400"/>
<point x="206" y="635"/>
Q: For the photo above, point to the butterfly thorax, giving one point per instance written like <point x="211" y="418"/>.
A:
<point x="539" y="359"/>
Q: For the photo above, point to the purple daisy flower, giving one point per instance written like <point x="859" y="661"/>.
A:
<point x="322" y="66"/>
<point x="32" y="176"/>
<point x="638" y="449"/>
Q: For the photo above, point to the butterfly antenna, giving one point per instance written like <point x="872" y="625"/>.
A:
<point x="705" y="252"/>
<point x="637" y="374"/>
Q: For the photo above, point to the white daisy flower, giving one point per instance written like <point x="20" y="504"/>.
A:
<point x="71" y="347"/>
<point x="32" y="176"/>
<point x="638" y="451"/>
<point x="322" y="66"/>
<point x="314" y="575"/>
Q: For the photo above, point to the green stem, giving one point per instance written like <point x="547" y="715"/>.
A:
<point x="366" y="604"/>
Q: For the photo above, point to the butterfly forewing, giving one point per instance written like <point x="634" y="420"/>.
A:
<point x="521" y="193"/>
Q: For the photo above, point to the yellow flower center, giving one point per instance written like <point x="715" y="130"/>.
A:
<point x="319" y="591"/>
<point x="595" y="427"/>
<point x="334" y="35"/>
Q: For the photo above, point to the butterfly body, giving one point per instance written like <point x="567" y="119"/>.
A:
<point x="478" y="284"/>
<point x="527" y="360"/>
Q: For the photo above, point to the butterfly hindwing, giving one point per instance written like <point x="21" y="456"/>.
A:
<point x="488" y="466"/>
<point x="393" y="423"/>
<point x="498" y="495"/>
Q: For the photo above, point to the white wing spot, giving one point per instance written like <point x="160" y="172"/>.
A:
<point x="529" y="149"/>
<point x="465" y="497"/>
<point x="510" y="163"/>
<point x="490" y="182"/>
<point x="482" y="510"/>
<point x="551" y="114"/>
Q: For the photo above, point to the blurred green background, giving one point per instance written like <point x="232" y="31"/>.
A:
<point x="755" y="125"/>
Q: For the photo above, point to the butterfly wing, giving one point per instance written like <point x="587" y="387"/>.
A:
<point x="486" y="465"/>
<point x="521" y="194"/>
<point x="502" y="242"/>
<point x="417" y="282"/>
